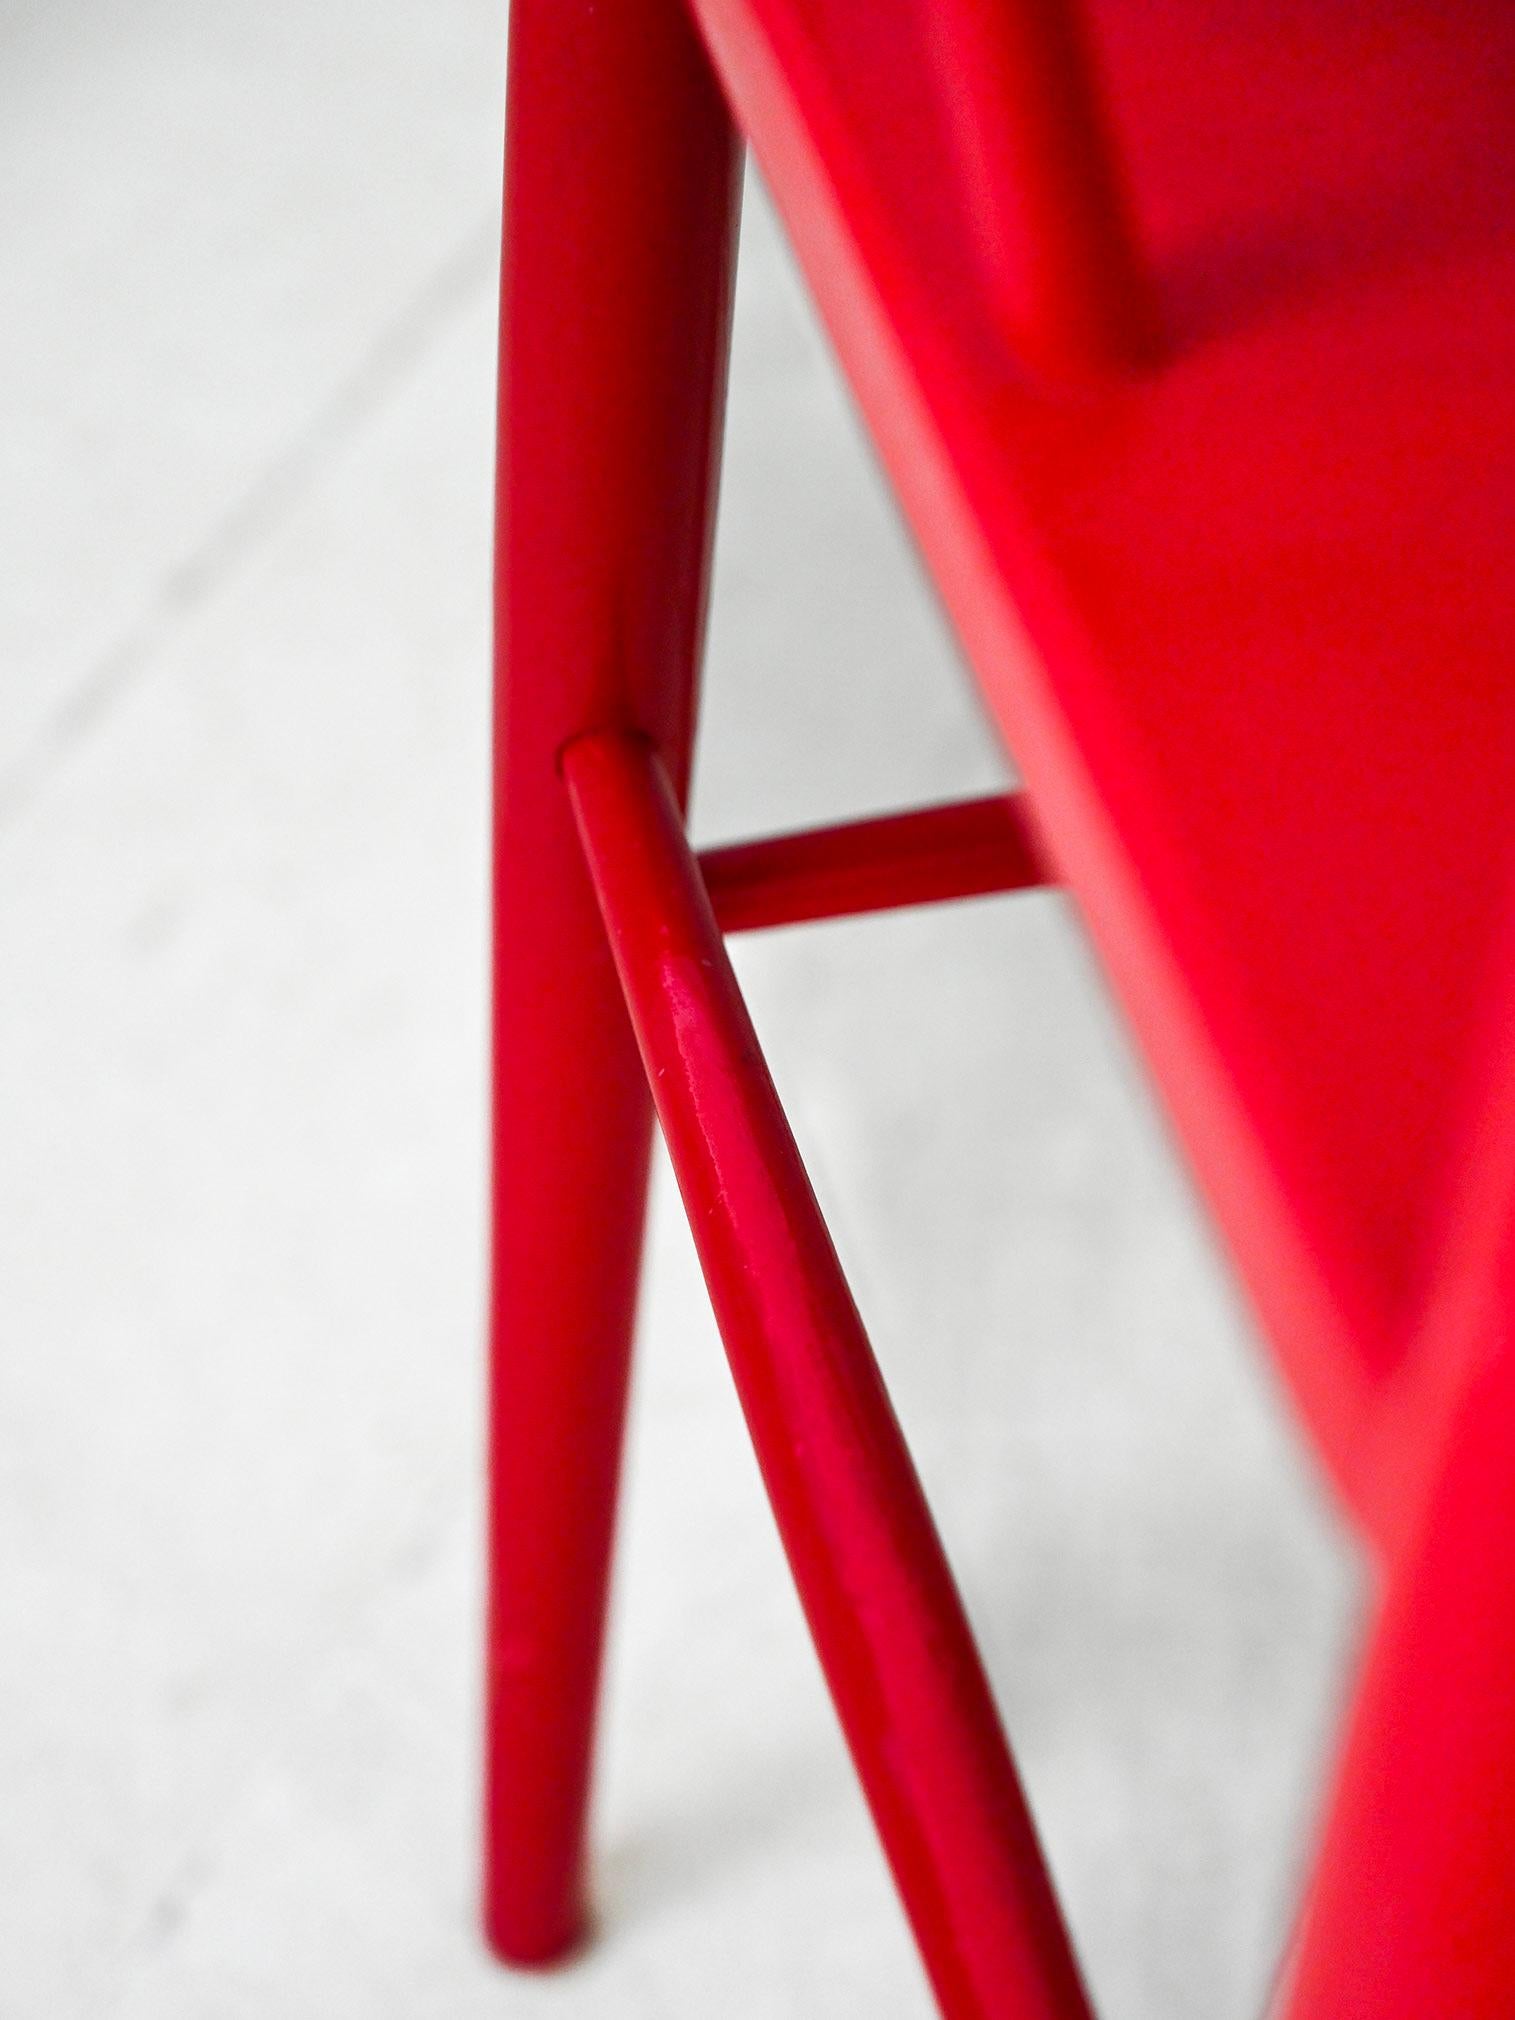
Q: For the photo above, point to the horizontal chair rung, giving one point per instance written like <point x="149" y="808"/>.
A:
<point x="967" y="849"/>
<point x="877" y="1591"/>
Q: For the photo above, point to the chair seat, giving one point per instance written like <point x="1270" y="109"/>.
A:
<point x="1267" y="716"/>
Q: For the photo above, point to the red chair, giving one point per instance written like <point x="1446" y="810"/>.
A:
<point x="1187" y="336"/>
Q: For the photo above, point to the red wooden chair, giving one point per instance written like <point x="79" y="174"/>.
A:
<point x="1187" y="336"/>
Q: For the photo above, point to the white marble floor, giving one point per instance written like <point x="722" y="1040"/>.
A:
<point x="247" y="262"/>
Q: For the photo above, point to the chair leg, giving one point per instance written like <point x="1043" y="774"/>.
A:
<point x="1410" y="1912"/>
<point x="894" y="1644"/>
<point x="621" y="200"/>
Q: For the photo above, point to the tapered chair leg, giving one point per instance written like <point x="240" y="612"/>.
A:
<point x="621" y="194"/>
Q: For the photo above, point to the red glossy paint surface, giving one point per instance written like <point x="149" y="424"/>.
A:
<point x="620" y="207"/>
<point x="1011" y="99"/>
<point x="883" y="1611"/>
<point x="1412" y="1910"/>
<point x="1244" y="616"/>
<point x="1242" y="605"/>
<point x="964" y="850"/>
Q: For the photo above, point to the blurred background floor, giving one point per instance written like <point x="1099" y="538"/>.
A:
<point x="248" y="260"/>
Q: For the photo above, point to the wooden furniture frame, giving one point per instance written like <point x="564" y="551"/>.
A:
<point x="1064" y="433"/>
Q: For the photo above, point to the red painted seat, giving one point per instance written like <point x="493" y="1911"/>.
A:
<point x="1223" y="526"/>
<point x="1268" y="720"/>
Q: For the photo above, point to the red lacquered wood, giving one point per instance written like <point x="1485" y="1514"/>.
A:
<point x="1033" y="168"/>
<point x="620" y="206"/>
<point x="888" y="1626"/>
<point x="1474" y="1292"/>
<point x="1412" y="1911"/>
<point x="964" y="850"/>
<point x="1245" y="621"/>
